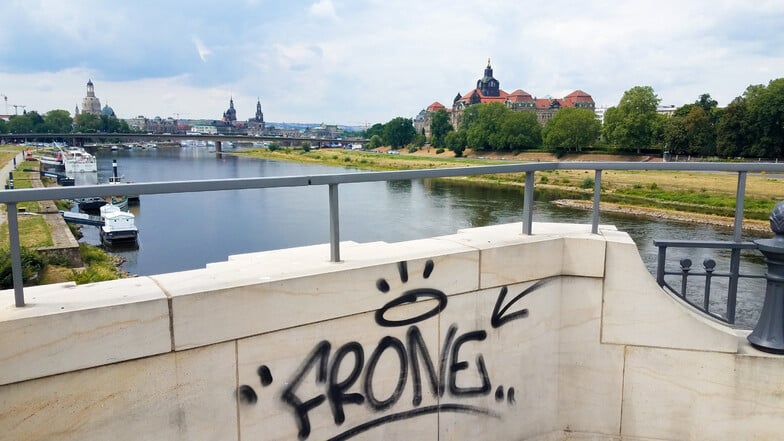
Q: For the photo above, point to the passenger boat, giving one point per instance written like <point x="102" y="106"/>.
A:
<point x="77" y="160"/>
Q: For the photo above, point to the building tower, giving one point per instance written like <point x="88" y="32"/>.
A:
<point x="256" y="124"/>
<point x="91" y="104"/>
<point x="230" y="115"/>
<point x="487" y="85"/>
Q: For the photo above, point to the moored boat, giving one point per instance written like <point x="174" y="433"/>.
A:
<point x="118" y="225"/>
<point x="91" y="203"/>
<point x="76" y="160"/>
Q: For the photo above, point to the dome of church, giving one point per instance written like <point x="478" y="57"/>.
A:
<point x="108" y="111"/>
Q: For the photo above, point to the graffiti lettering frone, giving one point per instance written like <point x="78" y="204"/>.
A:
<point x="345" y="374"/>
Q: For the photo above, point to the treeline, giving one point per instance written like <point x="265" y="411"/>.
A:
<point x="752" y="125"/>
<point x="60" y="121"/>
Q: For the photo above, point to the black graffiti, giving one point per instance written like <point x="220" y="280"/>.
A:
<point x="410" y="296"/>
<point x="500" y="315"/>
<point x="319" y="355"/>
<point x="426" y="410"/>
<point x="413" y="358"/>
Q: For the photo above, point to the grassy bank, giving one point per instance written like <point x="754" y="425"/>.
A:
<point x="682" y="192"/>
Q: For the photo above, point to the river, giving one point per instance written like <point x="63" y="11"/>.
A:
<point x="187" y="231"/>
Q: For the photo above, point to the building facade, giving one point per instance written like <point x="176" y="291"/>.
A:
<point x="488" y="90"/>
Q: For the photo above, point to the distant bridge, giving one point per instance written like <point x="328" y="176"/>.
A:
<point x="80" y="138"/>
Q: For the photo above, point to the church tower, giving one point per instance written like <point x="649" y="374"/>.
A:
<point x="91" y="104"/>
<point x="488" y="85"/>
<point x="230" y="115"/>
<point x="256" y="124"/>
<point x="259" y="114"/>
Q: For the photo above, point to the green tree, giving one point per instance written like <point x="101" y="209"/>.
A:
<point x="733" y="132"/>
<point x="87" y="123"/>
<point x="571" y="129"/>
<point x="59" y="121"/>
<point x="3" y="126"/>
<point x="456" y="142"/>
<point x="375" y="129"/>
<point x="521" y="131"/>
<point x="676" y="137"/>
<point x="399" y="132"/>
<point x="20" y="124"/>
<point x="485" y="132"/>
<point x="766" y="117"/>
<point x="700" y="132"/>
<point x="375" y="142"/>
<point x="440" y="126"/>
<point x="633" y="124"/>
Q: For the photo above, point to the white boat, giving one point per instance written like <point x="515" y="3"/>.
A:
<point x="53" y="161"/>
<point x="118" y="225"/>
<point x="77" y="160"/>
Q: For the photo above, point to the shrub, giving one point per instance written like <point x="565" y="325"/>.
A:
<point x="33" y="263"/>
<point x="587" y="183"/>
<point x="439" y="151"/>
<point x="273" y="147"/>
<point x="653" y="186"/>
<point x="412" y="149"/>
<point x="543" y="180"/>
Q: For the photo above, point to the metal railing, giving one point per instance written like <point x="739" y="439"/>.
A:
<point x="703" y="303"/>
<point x="12" y="197"/>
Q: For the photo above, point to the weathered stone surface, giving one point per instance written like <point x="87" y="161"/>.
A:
<point x="638" y="312"/>
<point x="66" y="327"/>
<point x="210" y="307"/>
<point x="677" y="394"/>
<point x="186" y="395"/>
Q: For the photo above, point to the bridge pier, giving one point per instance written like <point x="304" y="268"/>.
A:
<point x="218" y="147"/>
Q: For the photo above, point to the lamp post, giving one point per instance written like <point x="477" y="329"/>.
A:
<point x="768" y="334"/>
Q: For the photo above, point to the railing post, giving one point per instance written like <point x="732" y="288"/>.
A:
<point x="334" y="224"/>
<point x="597" y="194"/>
<point x="16" y="254"/>
<point x="528" y="203"/>
<point x="737" y="236"/>
<point x="662" y="259"/>
<point x="768" y="334"/>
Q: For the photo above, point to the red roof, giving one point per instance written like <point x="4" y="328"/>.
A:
<point x="501" y="98"/>
<point x="435" y="107"/>
<point x="520" y="96"/>
<point x="578" y="96"/>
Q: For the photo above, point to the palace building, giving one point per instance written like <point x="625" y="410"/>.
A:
<point x="488" y="90"/>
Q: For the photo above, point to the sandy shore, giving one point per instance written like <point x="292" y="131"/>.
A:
<point x="653" y="213"/>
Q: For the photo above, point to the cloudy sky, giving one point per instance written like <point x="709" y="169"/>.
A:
<point x="365" y="61"/>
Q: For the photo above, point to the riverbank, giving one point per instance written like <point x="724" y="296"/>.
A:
<point x="654" y="213"/>
<point x="659" y="194"/>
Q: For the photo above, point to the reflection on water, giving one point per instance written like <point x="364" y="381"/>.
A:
<point x="187" y="231"/>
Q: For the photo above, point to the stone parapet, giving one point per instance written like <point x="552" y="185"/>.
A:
<point x="483" y="334"/>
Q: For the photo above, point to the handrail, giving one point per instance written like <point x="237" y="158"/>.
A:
<point x="12" y="197"/>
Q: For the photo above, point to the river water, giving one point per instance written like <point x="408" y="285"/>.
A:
<point x="187" y="231"/>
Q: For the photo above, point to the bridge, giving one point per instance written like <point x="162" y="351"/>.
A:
<point x="81" y="138"/>
<point x="525" y="331"/>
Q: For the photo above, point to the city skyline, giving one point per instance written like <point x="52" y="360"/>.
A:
<point x="357" y="63"/>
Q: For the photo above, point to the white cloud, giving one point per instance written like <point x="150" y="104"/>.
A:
<point x="201" y="49"/>
<point x="377" y="59"/>
<point x="323" y="9"/>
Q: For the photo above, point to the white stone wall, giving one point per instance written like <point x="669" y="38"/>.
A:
<point x="560" y="335"/>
